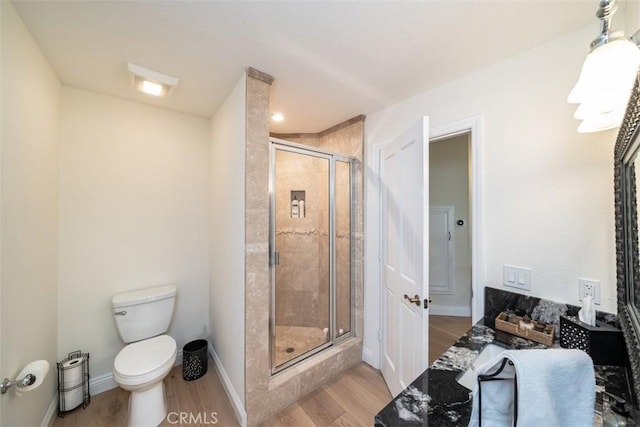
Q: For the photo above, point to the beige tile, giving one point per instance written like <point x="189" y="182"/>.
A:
<point x="266" y="394"/>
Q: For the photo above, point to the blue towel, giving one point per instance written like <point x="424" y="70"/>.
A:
<point x="556" y="388"/>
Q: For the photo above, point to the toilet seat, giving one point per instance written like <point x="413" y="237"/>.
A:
<point x="145" y="360"/>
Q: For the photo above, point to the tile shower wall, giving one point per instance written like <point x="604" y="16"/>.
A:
<point x="345" y="139"/>
<point x="302" y="277"/>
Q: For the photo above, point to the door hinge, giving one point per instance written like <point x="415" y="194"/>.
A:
<point x="449" y="235"/>
<point x="379" y="335"/>
<point x="427" y="301"/>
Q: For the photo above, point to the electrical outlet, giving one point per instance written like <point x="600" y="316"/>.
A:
<point x="589" y="287"/>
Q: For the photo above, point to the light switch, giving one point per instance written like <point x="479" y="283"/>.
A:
<point x="522" y="278"/>
<point x="516" y="277"/>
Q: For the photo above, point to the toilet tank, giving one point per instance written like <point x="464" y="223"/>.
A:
<point x="144" y="313"/>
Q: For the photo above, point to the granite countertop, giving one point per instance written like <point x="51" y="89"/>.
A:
<point x="436" y="399"/>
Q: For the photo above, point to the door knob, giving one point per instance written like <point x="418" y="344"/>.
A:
<point x="414" y="300"/>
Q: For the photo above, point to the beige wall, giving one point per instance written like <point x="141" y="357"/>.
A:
<point x="134" y="213"/>
<point x="226" y="296"/>
<point x="29" y="218"/>
<point x="630" y="18"/>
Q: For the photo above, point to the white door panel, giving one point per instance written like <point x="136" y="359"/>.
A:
<point x="404" y="264"/>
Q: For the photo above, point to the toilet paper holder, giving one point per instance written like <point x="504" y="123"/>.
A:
<point x="28" y="380"/>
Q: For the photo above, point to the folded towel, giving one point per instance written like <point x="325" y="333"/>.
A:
<point x="556" y="388"/>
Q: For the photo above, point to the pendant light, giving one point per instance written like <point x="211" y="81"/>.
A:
<point x="607" y="76"/>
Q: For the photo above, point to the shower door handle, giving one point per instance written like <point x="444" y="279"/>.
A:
<point x="276" y="258"/>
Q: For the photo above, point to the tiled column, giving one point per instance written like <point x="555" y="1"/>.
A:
<point x="257" y="367"/>
<point x="266" y="394"/>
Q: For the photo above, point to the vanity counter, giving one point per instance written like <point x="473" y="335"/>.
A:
<point x="436" y="399"/>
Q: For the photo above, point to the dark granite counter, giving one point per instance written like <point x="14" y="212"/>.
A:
<point x="435" y="398"/>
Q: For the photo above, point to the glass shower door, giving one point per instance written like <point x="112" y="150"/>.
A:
<point x="343" y="248"/>
<point x="301" y="221"/>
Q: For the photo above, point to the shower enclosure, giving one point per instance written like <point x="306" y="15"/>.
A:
<point x="311" y="247"/>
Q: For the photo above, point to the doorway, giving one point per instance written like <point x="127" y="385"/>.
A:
<point x="450" y="241"/>
<point x="473" y="126"/>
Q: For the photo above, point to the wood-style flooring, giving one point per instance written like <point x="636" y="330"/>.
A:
<point x="352" y="399"/>
<point x="203" y="396"/>
<point x="443" y="332"/>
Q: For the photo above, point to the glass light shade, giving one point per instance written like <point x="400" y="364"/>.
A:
<point x="612" y="66"/>
<point x="604" y="85"/>
<point x="602" y="102"/>
<point x="599" y="122"/>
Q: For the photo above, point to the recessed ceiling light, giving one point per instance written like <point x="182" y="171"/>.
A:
<point x="277" y="117"/>
<point x="152" y="88"/>
<point x="151" y="82"/>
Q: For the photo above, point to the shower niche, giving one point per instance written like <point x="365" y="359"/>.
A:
<point x="311" y="251"/>
<point x="298" y="204"/>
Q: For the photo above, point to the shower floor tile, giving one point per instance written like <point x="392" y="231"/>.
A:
<point x="292" y="341"/>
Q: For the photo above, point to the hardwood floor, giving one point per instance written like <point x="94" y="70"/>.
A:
<point x="352" y="399"/>
<point x="443" y="332"/>
<point x="200" y="397"/>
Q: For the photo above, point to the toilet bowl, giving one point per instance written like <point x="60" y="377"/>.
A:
<point x="140" y="368"/>
<point x="142" y="318"/>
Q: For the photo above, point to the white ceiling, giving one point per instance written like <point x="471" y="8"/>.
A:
<point x="331" y="60"/>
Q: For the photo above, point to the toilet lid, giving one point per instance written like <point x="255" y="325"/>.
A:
<point x="145" y="356"/>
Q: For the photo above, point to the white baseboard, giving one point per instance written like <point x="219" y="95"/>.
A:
<point x="450" y="310"/>
<point x="102" y="383"/>
<point x="368" y="356"/>
<point x="97" y="385"/>
<point x="232" y="394"/>
<point x="50" y="416"/>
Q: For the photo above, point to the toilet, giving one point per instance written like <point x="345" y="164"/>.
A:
<point x="142" y="318"/>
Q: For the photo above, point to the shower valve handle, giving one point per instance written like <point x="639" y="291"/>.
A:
<point x="414" y="300"/>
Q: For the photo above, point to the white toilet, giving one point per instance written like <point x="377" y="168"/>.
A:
<point x="142" y="318"/>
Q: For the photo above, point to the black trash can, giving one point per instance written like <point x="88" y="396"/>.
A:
<point x="194" y="360"/>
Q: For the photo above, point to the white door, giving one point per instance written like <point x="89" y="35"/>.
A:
<point x="404" y="191"/>
<point x="440" y="250"/>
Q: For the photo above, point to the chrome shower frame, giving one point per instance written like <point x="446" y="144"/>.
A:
<point x="280" y="144"/>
